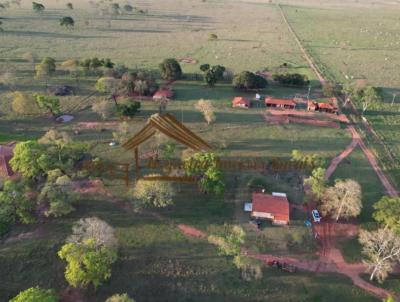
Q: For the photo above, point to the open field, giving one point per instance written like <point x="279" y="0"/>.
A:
<point x="157" y="262"/>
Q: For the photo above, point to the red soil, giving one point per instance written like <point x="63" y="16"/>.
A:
<point x="302" y="113"/>
<point x="286" y="119"/>
<point x="191" y="232"/>
<point x="95" y="186"/>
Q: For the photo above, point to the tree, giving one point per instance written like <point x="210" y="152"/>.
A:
<point x="87" y="263"/>
<point x="382" y="251"/>
<point x="248" y="80"/>
<point x="129" y="109"/>
<point x="295" y="79"/>
<point x="309" y="160"/>
<point x="9" y="79"/>
<point x="14" y="205"/>
<point x="343" y="200"/>
<point x="317" y="182"/>
<point x="95" y="229"/>
<point x="371" y="97"/>
<point x="204" y="165"/>
<point x="38" y="7"/>
<point x="58" y="193"/>
<point x="24" y="104"/>
<point x="207" y="109"/>
<point x="103" y="108"/>
<point x="122" y="132"/>
<point x="170" y="69"/>
<point x="389" y="299"/>
<point x="67" y="22"/>
<point x="154" y="193"/>
<point x="70" y="5"/>
<point x="106" y="84"/>
<point x="387" y="213"/>
<point x="46" y="68"/>
<point x="212" y="37"/>
<point x="49" y="103"/>
<point x="212" y="74"/>
<point x="128" y="8"/>
<point x="115" y="8"/>
<point x="120" y="298"/>
<point x="36" y="294"/>
<point x="56" y="138"/>
<point x="25" y="159"/>
<point x="230" y="242"/>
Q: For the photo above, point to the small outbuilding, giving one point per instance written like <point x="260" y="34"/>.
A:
<point x="273" y="207"/>
<point x="322" y="107"/>
<point x="6" y="153"/>
<point x="163" y="93"/>
<point x="240" y="102"/>
<point x="280" y="103"/>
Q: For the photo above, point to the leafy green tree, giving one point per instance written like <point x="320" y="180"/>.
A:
<point x="70" y="5"/>
<point x="67" y="22"/>
<point x="371" y="98"/>
<point x="309" y="160"/>
<point x="115" y="8"/>
<point x="248" y="80"/>
<point x="36" y="294"/>
<point x="25" y="159"/>
<point x="387" y="212"/>
<point x="121" y="298"/>
<point x="49" y="103"/>
<point x="87" y="263"/>
<point x="295" y="79"/>
<point x="58" y="193"/>
<point x="38" y="7"/>
<point x="205" y="166"/>
<point x="106" y="84"/>
<point x="129" y="109"/>
<point x="170" y="69"/>
<point x="389" y="299"/>
<point x="214" y="74"/>
<point x="14" y="205"/>
<point x="204" y="67"/>
<point x="153" y="193"/>
<point x="56" y="138"/>
<point x="317" y="183"/>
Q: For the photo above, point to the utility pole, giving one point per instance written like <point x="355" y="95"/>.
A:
<point x="394" y="96"/>
<point x="309" y="91"/>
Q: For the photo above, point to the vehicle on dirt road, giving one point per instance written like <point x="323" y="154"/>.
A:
<point x="315" y="215"/>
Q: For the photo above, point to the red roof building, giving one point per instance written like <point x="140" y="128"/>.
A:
<point x="312" y="106"/>
<point x="240" y="102"/>
<point x="280" y="103"/>
<point x="163" y="93"/>
<point x="326" y="107"/>
<point x="6" y="153"/>
<point x="274" y="208"/>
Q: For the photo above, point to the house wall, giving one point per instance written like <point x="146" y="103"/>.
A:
<point x="262" y="215"/>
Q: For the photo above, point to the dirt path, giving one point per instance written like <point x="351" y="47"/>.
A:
<point x="338" y="159"/>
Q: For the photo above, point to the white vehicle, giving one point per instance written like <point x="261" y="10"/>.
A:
<point x="315" y="215"/>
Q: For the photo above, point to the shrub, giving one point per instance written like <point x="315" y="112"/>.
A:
<point x="24" y="104"/>
<point x="120" y="298"/>
<point x="155" y="193"/>
<point x="129" y="109"/>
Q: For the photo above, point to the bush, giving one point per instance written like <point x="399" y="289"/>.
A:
<point x="155" y="193"/>
<point x="36" y="294"/>
<point x="24" y="104"/>
<point x="248" y="80"/>
<point x="295" y="79"/>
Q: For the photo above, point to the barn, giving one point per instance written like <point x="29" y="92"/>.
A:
<point x="280" y="103"/>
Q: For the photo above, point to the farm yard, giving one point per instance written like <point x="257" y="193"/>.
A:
<point x="194" y="240"/>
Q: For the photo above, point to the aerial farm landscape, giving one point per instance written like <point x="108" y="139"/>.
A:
<point x="199" y="150"/>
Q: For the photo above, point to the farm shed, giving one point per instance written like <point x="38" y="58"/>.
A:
<point x="6" y="153"/>
<point x="163" y="93"/>
<point x="240" y="102"/>
<point x="280" y="103"/>
<point x="272" y="207"/>
<point x="321" y="107"/>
